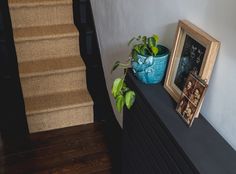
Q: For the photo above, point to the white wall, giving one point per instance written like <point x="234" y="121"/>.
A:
<point x="118" y="20"/>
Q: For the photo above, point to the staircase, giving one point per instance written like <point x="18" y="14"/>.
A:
<point x="52" y="71"/>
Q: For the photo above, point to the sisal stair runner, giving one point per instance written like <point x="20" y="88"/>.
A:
<point x="28" y="13"/>
<point x="52" y="73"/>
<point x="45" y="42"/>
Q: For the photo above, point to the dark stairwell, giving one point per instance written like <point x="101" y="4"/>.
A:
<point x="83" y="18"/>
<point x="84" y="148"/>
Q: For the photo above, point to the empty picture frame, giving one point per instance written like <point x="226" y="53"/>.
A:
<point x="194" y="50"/>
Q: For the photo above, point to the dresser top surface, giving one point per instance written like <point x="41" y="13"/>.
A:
<point x="203" y="145"/>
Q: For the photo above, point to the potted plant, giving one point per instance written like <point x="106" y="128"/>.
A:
<point x="148" y="60"/>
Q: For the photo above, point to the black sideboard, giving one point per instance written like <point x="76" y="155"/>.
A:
<point x="157" y="141"/>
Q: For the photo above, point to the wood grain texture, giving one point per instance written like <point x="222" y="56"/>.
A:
<point x="212" y="47"/>
<point x="80" y="149"/>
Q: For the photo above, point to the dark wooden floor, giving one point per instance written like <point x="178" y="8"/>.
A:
<point x="75" y="150"/>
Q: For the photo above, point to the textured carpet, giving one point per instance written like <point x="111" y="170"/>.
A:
<point x="52" y="73"/>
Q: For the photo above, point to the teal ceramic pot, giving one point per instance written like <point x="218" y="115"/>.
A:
<point x="151" y="70"/>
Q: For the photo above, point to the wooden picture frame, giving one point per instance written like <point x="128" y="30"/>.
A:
<point x="191" y="99"/>
<point x="193" y="50"/>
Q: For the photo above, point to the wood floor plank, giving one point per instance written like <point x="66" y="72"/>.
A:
<point x="52" y="138"/>
<point x="59" y="135"/>
<point x="108" y="171"/>
<point x="84" y="146"/>
<point x="80" y="149"/>
<point x="88" y="165"/>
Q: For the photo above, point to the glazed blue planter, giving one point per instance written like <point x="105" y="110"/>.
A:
<point x="151" y="70"/>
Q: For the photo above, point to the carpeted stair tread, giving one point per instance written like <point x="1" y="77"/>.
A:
<point x="30" y="3"/>
<point x="52" y="73"/>
<point x="45" y="32"/>
<point x="29" y="13"/>
<point x="57" y="101"/>
<point x="51" y="66"/>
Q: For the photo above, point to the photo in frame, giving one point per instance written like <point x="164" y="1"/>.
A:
<point x="194" y="51"/>
<point x="191" y="98"/>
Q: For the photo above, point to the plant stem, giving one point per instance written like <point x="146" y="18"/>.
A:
<point x="124" y="65"/>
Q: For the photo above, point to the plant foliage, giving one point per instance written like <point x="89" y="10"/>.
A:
<point x="146" y="46"/>
<point x="143" y="45"/>
<point x="122" y="94"/>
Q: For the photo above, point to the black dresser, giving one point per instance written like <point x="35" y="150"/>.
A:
<point x="157" y="141"/>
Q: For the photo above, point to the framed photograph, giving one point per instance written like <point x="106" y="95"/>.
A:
<point x="191" y="98"/>
<point x="193" y="51"/>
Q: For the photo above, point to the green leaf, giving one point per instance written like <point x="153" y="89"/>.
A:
<point x="154" y="50"/>
<point x="116" y="64"/>
<point x="117" y="86"/>
<point x="120" y="103"/>
<point x="143" y="49"/>
<point x="144" y="39"/>
<point x="151" y="42"/>
<point x="156" y="39"/>
<point x="135" y="55"/>
<point x="124" y="85"/>
<point x="129" y="99"/>
<point x="137" y="48"/>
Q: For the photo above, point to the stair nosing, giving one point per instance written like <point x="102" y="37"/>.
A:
<point x="47" y="73"/>
<point x="45" y="32"/>
<point x="39" y="38"/>
<point x="35" y="112"/>
<point x="80" y="66"/>
<point x="86" y="100"/>
<point x="36" y="4"/>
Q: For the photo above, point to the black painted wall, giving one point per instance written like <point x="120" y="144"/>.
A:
<point x="90" y="53"/>
<point x="13" y="124"/>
